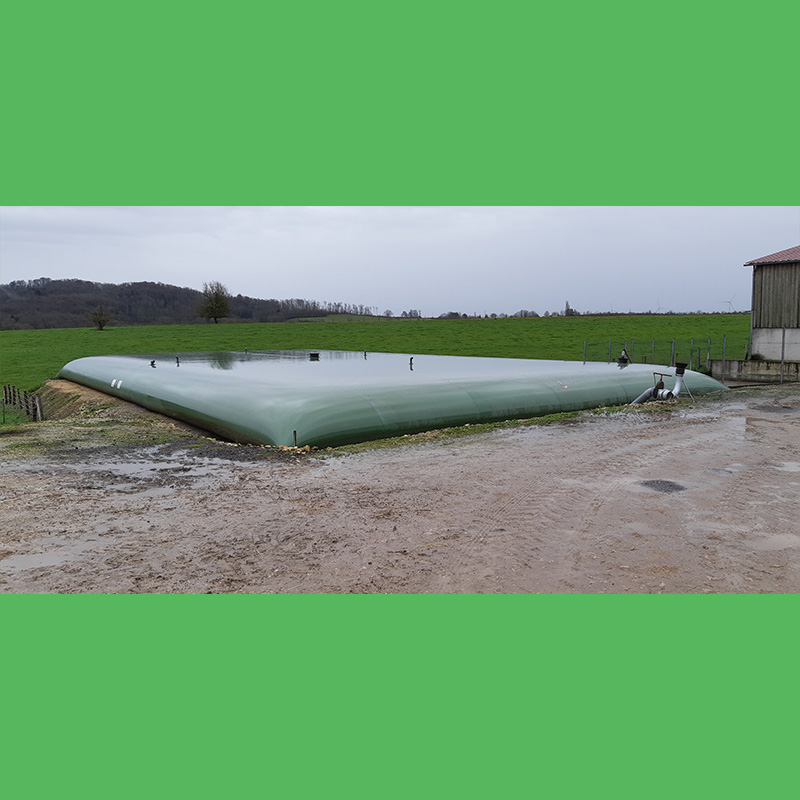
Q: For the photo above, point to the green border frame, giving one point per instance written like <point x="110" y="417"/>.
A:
<point x="436" y="104"/>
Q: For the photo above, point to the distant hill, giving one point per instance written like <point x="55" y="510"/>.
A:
<point x="46" y="303"/>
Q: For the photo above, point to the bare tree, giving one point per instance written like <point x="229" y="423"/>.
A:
<point x="100" y="317"/>
<point x="216" y="301"/>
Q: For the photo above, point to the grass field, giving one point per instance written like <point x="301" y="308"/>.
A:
<point x="28" y="358"/>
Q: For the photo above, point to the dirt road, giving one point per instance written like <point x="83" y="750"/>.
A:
<point x="702" y="498"/>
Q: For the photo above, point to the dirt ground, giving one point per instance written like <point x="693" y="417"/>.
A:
<point x="692" y="497"/>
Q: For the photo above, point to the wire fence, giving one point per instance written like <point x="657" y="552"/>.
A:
<point x="29" y="404"/>
<point x="697" y="353"/>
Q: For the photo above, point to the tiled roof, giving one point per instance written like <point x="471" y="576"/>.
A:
<point x="781" y="257"/>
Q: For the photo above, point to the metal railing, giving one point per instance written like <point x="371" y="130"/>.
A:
<point x="696" y="352"/>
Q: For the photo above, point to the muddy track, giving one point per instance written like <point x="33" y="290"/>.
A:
<point x="702" y="498"/>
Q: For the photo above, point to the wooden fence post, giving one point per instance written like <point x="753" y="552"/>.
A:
<point x="29" y="404"/>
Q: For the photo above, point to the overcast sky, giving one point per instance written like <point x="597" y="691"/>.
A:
<point x="435" y="259"/>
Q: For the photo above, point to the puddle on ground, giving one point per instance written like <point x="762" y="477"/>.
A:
<point x="700" y="412"/>
<point x="787" y="466"/>
<point x="154" y="476"/>
<point x="178" y="462"/>
<point x="778" y="541"/>
<point x="135" y="488"/>
<point x="663" y="486"/>
<point x="777" y="409"/>
<point x="67" y="550"/>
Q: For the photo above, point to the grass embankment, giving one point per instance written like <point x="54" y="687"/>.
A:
<point x="31" y="357"/>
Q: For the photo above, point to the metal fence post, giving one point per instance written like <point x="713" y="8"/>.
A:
<point x="691" y="354"/>
<point x="584" y="351"/>
<point x="783" y="350"/>
<point x="654" y="351"/>
<point x="724" y="352"/>
<point x="609" y="351"/>
<point x="633" y="350"/>
<point x="672" y="355"/>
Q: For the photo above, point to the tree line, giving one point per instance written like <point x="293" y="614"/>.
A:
<point x="73" y="303"/>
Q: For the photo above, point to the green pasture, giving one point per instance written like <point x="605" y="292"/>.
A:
<point x="28" y="358"/>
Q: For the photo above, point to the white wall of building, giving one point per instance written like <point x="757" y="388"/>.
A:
<point x="766" y="342"/>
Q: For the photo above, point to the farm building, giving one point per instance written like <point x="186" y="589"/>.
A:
<point x="775" y="322"/>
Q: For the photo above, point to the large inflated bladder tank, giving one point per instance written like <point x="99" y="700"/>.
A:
<point x="331" y="398"/>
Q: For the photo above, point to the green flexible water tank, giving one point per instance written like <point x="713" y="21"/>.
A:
<point x="329" y="398"/>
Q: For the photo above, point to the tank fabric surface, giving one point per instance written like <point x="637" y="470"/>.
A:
<point x="330" y="398"/>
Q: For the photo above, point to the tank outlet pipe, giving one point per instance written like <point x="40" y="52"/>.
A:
<point x="659" y="393"/>
<point x="680" y="370"/>
<point x="653" y="394"/>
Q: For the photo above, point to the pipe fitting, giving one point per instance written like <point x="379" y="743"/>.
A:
<point x="680" y="371"/>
